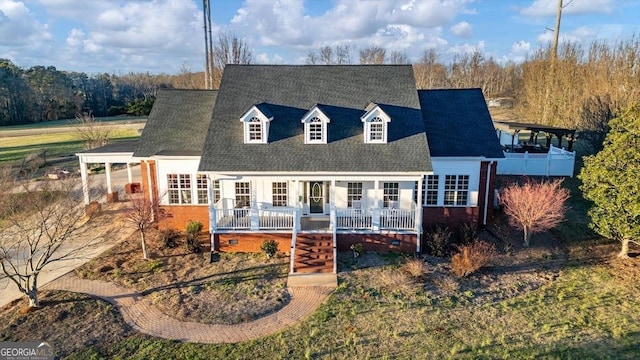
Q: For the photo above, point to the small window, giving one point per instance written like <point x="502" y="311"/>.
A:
<point x="376" y="130"/>
<point x="179" y="188"/>
<point x="216" y="191"/>
<point x="203" y="189"/>
<point x="315" y="130"/>
<point x="279" y="193"/>
<point x="354" y="193"/>
<point x="390" y="197"/>
<point x="456" y="190"/>
<point x="431" y="195"/>
<point x="255" y="130"/>
<point x="243" y="195"/>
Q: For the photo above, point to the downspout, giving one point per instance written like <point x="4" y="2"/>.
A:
<point x="486" y="194"/>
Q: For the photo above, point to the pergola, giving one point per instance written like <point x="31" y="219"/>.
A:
<point x="120" y="152"/>
<point x="514" y="128"/>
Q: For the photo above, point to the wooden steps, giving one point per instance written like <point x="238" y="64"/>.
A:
<point x="313" y="254"/>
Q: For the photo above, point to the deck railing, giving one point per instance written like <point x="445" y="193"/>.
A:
<point x="375" y="219"/>
<point x="557" y="162"/>
<point x="353" y="219"/>
<point x="397" y="219"/>
<point x="277" y="218"/>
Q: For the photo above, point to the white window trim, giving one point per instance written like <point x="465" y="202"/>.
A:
<point x="375" y="115"/>
<point x="248" y="118"/>
<point x="310" y="116"/>
<point x="456" y="190"/>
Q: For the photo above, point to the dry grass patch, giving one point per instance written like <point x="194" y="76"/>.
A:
<point x="236" y="288"/>
<point x="471" y="258"/>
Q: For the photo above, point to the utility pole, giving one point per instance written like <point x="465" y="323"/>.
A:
<point x="208" y="45"/>
<point x="556" y="31"/>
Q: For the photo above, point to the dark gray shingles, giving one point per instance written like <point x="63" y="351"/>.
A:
<point x="343" y="92"/>
<point x="458" y="123"/>
<point x="121" y="146"/>
<point x="177" y="123"/>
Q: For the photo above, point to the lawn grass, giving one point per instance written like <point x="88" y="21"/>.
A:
<point x="585" y="313"/>
<point x="124" y="119"/>
<point x="15" y="149"/>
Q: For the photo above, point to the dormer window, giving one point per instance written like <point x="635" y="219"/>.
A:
<point x="255" y="130"/>
<point x="375" y="125"/>
<point x="256" y="124"/>
<point x="315" y="126"/>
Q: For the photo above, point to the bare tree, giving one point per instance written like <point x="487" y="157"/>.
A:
<point x="373" y="55"/>
<point x="326" y="55"/>
<point x="340" y="55"/>
<point x="229" y="49"/>
<point x="91" y="131"/>
<point x="398" y="57"/>
<point x="42" y="224"/>
<point x="141" y="216"/>
<point x="535" y="207"/>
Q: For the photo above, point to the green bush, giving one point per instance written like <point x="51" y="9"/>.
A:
<point x="193" y="231"/>
<point x="269" y="247"/>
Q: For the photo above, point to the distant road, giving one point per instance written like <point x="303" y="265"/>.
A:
<point x="64" y="129"/>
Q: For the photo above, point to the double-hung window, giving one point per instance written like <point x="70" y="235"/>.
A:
<point x="391" y="195"/>
<point x="243" y="194"/>
<point x="354" y="193"/>
<point x="376" y="130"/>
<point x="203" y="189"/>
<point x="279" y="193"/>
<point x="456" y="190"/>
<point x="216" y="191"/>
<point x="316" y="130"/>
<point x="255" y="130"/>
<point x="179" y="188"/>
<point x="431" y="191"/>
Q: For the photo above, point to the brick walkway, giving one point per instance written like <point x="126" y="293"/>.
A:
<point x="146" y="318"/>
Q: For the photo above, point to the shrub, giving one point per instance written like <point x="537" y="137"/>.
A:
<point x="194" y="228"/>
<point x="466" y="233"/>
<point x="415" y="267"/>
<point x="193" y="231"/>
<point x="472" y="257"/>
<point x="269" y="247"/>
<point x="438" y="241"/>
<point x="169" y="237"/>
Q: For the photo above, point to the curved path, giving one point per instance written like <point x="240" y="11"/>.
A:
<point x="146" y="318"/>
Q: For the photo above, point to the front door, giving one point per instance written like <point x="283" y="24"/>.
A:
<point x="316" y="197"/>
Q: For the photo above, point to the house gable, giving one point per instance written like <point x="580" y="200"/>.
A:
<point x="315" y="126"/>
<point x="376" y="123"/>
<point x="256" y="124"/>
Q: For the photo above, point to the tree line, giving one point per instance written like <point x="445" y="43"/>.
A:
<point x="583" y="87"/>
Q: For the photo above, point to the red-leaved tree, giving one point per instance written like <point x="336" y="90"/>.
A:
<point x="535" y="206"/>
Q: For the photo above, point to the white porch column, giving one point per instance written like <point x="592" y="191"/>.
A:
<point x="213" y="223"/>
<point x="85" y="181"/>
<point x="375" y="215"/>
<point x="419" y="211"/>
<point x="129" y="175"/>
<point x="255" y="216"/>
<point x="107" y="171"/>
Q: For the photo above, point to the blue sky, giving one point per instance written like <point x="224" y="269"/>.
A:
<point x="163" y="36"/>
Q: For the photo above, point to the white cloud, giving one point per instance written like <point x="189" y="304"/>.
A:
<point x="541" y="8"/>
<point x="462" y="49"/>
<point x="462" y="29"/>
<point x="18" y="26"/>
<point x="578" y="35"/>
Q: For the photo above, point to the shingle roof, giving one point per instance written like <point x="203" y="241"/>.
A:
<point x="177" y="123"/>
<point x="342" y="92"/>
<point x="458" y="123"/>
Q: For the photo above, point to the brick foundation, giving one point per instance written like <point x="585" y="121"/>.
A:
<point x="379" y="242"/>
<point x="251" y="242"/>
<point x="177" y="217"/>
<point x="449" y="216"/>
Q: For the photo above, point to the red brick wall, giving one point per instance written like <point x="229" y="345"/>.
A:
<point x="448" y="216"/>
<point x="177" y="216"/>
<point x="251" y="242"/>
<point x="379" y="242"/>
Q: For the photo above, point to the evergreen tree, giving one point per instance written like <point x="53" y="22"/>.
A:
<point x="611" y="179"/>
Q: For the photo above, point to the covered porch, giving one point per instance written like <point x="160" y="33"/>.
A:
<point x="120" y="152"/>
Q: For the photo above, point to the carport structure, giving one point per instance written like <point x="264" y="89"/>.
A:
<point x="120" y="152"/>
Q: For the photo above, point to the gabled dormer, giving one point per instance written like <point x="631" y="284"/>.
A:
<point x="315" y="126"/>
<point x="256" y="124"/>
<point x="376" y="124"/>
